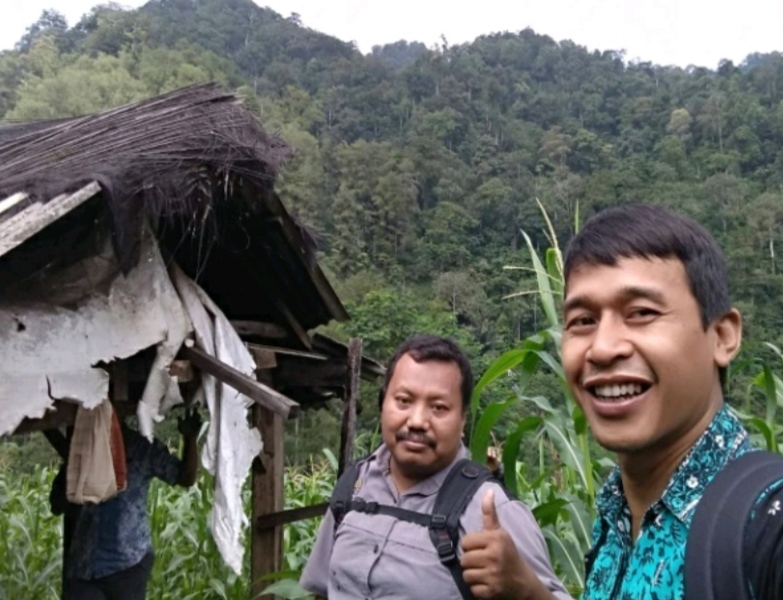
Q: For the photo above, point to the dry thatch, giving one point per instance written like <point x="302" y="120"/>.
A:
<point x="200" y="169"/>
<point x="172" y="157"/>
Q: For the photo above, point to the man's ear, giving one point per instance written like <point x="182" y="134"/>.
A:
<point x="728" y="331"/>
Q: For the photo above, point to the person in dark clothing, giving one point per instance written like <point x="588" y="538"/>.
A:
<point x="108" y="551"/>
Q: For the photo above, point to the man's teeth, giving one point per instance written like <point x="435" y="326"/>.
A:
<point x="614" y="391"/>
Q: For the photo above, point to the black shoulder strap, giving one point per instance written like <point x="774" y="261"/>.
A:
<point x="340" y="502"/>
<point x="461" y="484"/>
<point x="458" y="489"/>
<point x="714" y="562"/>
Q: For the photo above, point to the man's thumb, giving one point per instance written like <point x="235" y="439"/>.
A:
<point x="489" y="514"/>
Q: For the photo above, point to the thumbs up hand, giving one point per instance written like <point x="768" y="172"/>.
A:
<point x="492" y="566"/>
<point x="489" y="514"/>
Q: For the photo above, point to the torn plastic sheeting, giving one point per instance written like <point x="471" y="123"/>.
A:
<point x="49" y="351"/>
<point x="232" y="443"/>
<point x="161" y="391"/>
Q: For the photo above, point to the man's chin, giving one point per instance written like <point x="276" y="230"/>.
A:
<point x="416" y="469"/>
<point x="623" y="445"/>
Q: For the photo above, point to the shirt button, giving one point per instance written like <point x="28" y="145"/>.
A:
<point x="375" y="549"/>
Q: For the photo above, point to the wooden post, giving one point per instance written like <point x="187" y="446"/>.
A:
<point x="266" y="551"/>
<point x="348" y="429"/>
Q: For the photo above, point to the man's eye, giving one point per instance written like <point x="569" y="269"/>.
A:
<point x="580" y="322"/>
<point x="440" y="408"/>
<point x="643" y="312"/>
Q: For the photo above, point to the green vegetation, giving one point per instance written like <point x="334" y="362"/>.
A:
<point x="187" y="562"/>
<point x="422" y="173"/>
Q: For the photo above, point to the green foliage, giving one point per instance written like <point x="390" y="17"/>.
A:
<point x="423" y="165"/>
<point x="30" y="547"/>
<point x="561" y="482"/>
<point x="422" y="172"/>
<point x="187" y="563"/>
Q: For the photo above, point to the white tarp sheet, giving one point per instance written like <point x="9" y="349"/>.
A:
<point x="90" y="314"/>
<point x="51" y="349"/>
<point x="232" y="443"/>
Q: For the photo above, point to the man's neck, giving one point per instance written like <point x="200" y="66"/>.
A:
<point x="646" y="474"/>
<point x="402" y="483"/>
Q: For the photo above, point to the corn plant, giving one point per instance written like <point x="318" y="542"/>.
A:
<point x="771" y="386"/>
<point x="31" y="543"/>
<point x="562" y="492"/>
<point x="187" y="562"/>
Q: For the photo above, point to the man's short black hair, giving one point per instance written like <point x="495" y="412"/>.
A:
<point x="432" y="347"/>
<point x="649" y="231"/>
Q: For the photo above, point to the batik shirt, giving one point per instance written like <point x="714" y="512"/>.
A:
<point x="652" y="568"/>
<point x="115" y="535"/>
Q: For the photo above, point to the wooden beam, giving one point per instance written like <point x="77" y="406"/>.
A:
<point x="265" y="359"/>
<point x="182" y="370"/>
<point x="11" y="205"/>
<point x="294" y="237"/>
<point x="288" y="351"/>
<point x="300" y="374"/>
<point x="266" y="547"/>
<point x="36" y="217"/>
<point x="292" y="515"/>
<point x="293" y="324"/>
<point x="371" y="369"/>
<point x="259" y="329"/>
<point x="255" y="390"/>
<point x="348" y="428"/>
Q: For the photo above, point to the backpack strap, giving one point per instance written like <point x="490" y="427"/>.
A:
<point x="461" y="484"/>
<point x="340" y="502"/>
<point x="714" y="558"/>
<point x="458" y="489"/>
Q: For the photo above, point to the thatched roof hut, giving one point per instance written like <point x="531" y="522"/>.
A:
<point x="146" y="243"/>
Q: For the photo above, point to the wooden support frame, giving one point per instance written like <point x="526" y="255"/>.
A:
<point x="293" y="324"/>
<point x="296" y="373"/>
<point x="270" y="331"/>
<point x="266" y="547"/>
<point x="263" y="395"/>
<point x="293" y="515"/>
<point x="25" y="224"/>
<point x="12" y="205"/>
<point x="348" y="428"/>
<point x="287" y="351"/>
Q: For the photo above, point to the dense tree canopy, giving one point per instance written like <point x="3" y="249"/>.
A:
<point x="418" y="167"/>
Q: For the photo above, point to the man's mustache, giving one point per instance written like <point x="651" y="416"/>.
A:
<point x="419" y="438"/>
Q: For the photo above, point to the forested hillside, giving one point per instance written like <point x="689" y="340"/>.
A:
<point x="418" y="168"/>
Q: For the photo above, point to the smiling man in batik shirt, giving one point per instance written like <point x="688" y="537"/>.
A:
<point x="648" y="333"/>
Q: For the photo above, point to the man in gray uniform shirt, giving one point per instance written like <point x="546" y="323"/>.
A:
<point x="423" y="413"/>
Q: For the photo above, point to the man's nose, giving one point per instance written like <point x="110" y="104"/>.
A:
<point x="610" y="342"/>
<point x="418" y="418"/>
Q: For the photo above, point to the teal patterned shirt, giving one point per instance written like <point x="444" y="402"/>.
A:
<point x="653" y="567"/>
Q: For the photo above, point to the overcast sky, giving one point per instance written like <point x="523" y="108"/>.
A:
<point x="680" y="32"/>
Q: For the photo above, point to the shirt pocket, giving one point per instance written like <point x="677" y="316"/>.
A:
<point x="356" y="548"/>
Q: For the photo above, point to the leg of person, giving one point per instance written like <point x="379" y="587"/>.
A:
<point x="80" y="589"/>
<point x="130" y="584"/>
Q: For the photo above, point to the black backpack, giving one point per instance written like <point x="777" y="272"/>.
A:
<point x="459" y="487"/>
<point x="715" y="561"/>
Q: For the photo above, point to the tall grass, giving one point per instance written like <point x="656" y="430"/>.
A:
<point x="562" y="484"/>
<point x="187" y="563"/>
<point x="30" y="538"/>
